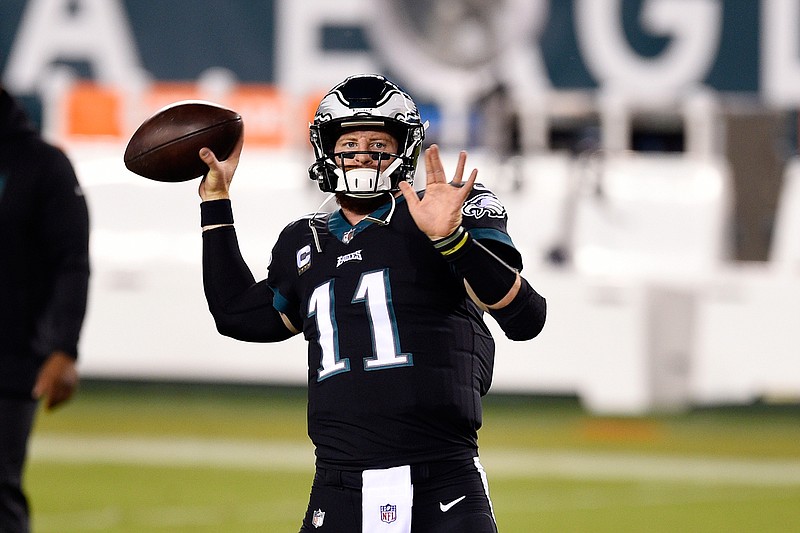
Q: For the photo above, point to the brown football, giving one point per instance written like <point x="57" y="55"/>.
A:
<point x="165" y="147"/>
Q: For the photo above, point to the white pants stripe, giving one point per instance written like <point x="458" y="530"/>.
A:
<point x="386" y="499"/>
<point x="485" y="482"/>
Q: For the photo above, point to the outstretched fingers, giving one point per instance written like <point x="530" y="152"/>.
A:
<point x="433" y="166"/>
<point x="473" y="176"/>
<point x="459" y="175"/>
<point x="462" y="162"/>
<point x="435" y="169"/>
<point x="409" y="194"/>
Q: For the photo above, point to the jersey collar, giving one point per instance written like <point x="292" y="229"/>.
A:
<point x="340" y="228"/>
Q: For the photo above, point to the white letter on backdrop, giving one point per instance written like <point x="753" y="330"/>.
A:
<point x="693" y="26"/>
<point x="780" y="43"/>
<point x="95" y="31"/>
<point x="302" y="66"/>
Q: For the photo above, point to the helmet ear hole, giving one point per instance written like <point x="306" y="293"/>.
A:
<point x="365" y="100"/>
<point x="324" y="173"/>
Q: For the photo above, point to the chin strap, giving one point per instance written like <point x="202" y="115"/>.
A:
<point x="388" y="218"/>
<point x="381" y="179"/>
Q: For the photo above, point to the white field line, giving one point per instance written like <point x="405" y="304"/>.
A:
<point x="163" y="451"/>
<point x="499" y="463"/>
<point x="159" y="518"/>
<point x="642" y="467"/>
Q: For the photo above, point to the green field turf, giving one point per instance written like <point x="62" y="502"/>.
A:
<point x="128" y="457"/>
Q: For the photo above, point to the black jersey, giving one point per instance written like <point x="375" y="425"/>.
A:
<point x="398" y="355"/>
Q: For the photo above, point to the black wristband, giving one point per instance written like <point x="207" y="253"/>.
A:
<point x="215" y="212"/>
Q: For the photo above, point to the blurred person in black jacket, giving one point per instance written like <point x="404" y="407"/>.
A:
<point x="44" y="277"/>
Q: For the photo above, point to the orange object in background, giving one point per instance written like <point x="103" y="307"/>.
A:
<point x="267" y="114"/>
<point x="272" y="118"/>
<point x="93" y="110"/>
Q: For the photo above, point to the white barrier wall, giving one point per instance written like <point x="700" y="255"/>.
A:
<point x="622" y="346"/>
<point x="624" y="343"/>
<point x="747" y="345"/>
<point x="655" y="215"/>
<point x="785" y="253"/>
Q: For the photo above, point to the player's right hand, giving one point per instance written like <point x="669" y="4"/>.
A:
<point x="216" y="184"/>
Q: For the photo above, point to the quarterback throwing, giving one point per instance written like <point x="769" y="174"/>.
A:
<point x="390" y="291"/>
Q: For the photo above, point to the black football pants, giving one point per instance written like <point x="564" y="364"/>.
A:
<point x="449" y="497"/>
<point x="16" y="420"/>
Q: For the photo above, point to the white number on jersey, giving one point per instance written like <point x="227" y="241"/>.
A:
<point x="374" y="292"/>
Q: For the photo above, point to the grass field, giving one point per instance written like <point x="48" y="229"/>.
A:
<point x="145" y="457"/>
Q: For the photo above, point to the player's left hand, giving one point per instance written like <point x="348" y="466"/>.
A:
<point x="57" y="380"/>
<point x="438" y="213"/>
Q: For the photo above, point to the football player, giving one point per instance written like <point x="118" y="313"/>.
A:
<point x="390" y="292"/>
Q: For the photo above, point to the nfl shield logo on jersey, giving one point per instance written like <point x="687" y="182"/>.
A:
<point x="388" y="513"/>
<point x="318" y="518"/>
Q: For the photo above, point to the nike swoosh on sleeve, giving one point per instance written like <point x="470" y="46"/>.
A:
<point x="447" y="506"/>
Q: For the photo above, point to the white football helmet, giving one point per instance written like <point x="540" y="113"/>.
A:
<point x="365" y="101"/>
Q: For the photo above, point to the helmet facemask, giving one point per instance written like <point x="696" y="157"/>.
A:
<point x="365" y="102"/>
<point x="366" y="182"/>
